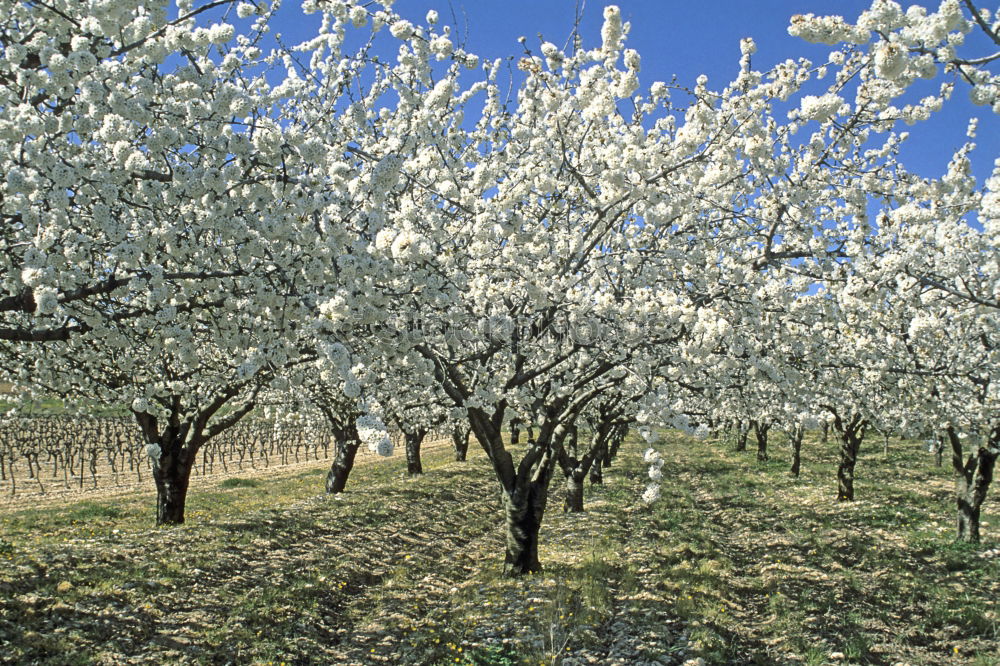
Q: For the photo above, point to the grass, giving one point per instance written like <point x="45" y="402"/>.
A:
<point x="237" y="482"/>
<point x="737" y="563"/>
<point x="771" y="569"/>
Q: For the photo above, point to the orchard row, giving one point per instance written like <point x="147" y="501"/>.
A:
<point x="198" y="219"/>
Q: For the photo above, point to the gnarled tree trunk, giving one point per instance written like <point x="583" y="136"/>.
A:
<point x="574" y="494"/>
<point x="742" y="434"/>
<point x="460" y="440"/>
<point x="851" y="432"/>
<point x="760" y="430"/>
<point x="600" y="461"/>
<point x="515" y="431"/>
<point x="523" y="487"/>
<point x="173" y="442"/>
<point x="615" y="442"/>
<point x="347" y="443"/>
<point x="575" y="469"/>
<point x="795" y="439"/>
<point x="413" y="439"/>
<point x="973" y="477"/>
<point x="172" y="473"/>
<point x="523" y="510"/>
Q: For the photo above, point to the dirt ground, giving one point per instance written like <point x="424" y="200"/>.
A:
<point x="28" y="492"/>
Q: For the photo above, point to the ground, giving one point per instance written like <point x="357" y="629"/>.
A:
<point x="736" y="563"/>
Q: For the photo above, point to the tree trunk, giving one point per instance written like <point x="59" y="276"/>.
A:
<point x="575" y="469"/>
<point x="574" y="493"/>
<point x="796" y="441"/>
<point x="571" y="442"/>
<point x="524" y="486"/>
<point x="972" y="481"/>
<point x="347" y="443"/>
<point x="413" y="441"/>
<point x="597" y="467"/>
<point x="173" y="449"/>
<point x="851" y="435"/>
<point x="617" y="438"/>
<point x="172" y="473"/>
<point x="524" y="510"/>
<point x="845" y="471"/>
<point x="515" y="431"/>
<point x="460" y="440"/>
<point x="172" y="453"/>
<point x="742" y="434"/>
<point x="760" y="431"/>
<point x="968" y="517"/>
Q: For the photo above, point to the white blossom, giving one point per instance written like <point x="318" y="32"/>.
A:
<point x="821" y="107"/>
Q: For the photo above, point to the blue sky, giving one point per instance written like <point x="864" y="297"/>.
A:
<point x="686" y="38"/>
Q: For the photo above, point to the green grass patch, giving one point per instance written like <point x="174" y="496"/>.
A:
<point x="237" y="482"/>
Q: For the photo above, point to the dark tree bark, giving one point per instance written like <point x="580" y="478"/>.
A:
<point x="572" y="440"/>
<point x="460" y="440"/>
<point x="515" y="431"/>
<point x="973" y="477"/>
<point x="413" y="439"/>
<point x="347" y="443"/>
<point x="574" y="495"/>
<point x="342" y="419"/>
<point x="524" y="510"/>
<point x="172" y="473"/>
<point x="600" y="461"/>
<point x="852" y="432"/>
<point x="615" y="442"/>
<point x="524" y="506"/>
<point x="742" y="434"/>
<point x="795" y="439"/>
<point x="575" y="470"/>
<point x="524" y="487"/>
<point x="760" y="431"/>
<point x="173" y="445"/>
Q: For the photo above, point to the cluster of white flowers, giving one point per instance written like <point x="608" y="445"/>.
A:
<point x="655" y="462"/>
<point x="374" y="434"/>
<point x="821" y="108"/>
<point x="612" y="34"/>
<point x="401" y="29"/>
<point x="826" y="30"/>
<point x="386" y="174"/>
<point x="891" y="59"/>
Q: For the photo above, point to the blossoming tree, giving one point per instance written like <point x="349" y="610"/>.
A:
<point x="187" y="224"/>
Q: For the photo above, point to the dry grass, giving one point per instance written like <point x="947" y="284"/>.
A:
<point x="738" y="563"/>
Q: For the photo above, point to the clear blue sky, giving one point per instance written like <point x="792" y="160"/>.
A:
<point x="686" y="38"/>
